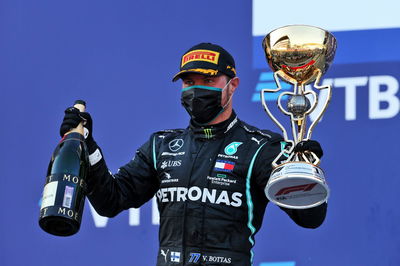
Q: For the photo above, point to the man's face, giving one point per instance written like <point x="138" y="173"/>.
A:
<point x="192" y="79"/>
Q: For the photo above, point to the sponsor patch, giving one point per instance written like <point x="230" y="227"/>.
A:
<point x="256" y="140"/>
<point x="200" y="55"/>
<point x="168" y="179"/>
<point x="225" y="166"/>
<point x="228" y="156"/>
<point x="231" y="149"/>
<point x="164" y="254"/>
<point x="172" y="153"/>
<point x="170" y="163"/>
<point x="234" y="121"/>
<point x="208" y="133"/>
<point x="257" y="131"/>
<point x="175" y="145"/>
<point x="221" y="180"/>
<point x="213" y="196"/>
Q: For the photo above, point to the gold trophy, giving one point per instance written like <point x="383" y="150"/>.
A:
<point x="298" y="55"/>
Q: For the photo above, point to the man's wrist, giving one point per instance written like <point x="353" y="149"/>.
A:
<point x="94" y="151"/>
<point x="95" y="157"/>
<point x="91" y="145"/>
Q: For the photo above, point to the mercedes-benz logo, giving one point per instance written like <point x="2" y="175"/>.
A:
<point x="175" y="144"/>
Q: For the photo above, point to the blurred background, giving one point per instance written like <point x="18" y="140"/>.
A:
<point x="120" y="57"/>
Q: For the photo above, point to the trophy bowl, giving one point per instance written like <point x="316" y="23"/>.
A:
<point x="299" y="52"/>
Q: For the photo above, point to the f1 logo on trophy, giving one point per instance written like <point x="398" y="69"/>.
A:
<point x="298" y="55"/>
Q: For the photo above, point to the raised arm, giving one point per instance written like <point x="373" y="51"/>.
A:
<point x="134" y="184"/>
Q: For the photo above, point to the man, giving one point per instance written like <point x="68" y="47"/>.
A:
<point x="209" y="178"/>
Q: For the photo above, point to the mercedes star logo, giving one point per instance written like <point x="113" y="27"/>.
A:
<point x="175" y="144"/>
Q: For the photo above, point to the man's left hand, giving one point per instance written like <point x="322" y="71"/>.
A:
<point x="309" y="145"/>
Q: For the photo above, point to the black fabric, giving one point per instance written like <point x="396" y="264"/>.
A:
<point x="71" y="120"/>
<point x="210" y="191"/>
<point x="219" y="130"/>
<point x="202" y="105"/>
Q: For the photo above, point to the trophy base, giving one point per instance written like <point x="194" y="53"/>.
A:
<point x="297" y="185"/>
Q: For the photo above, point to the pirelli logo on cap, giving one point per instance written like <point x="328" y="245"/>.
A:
<point x="200" y="55"/>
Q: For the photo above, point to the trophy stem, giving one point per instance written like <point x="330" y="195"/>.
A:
<point x="301" y="125"/>
<point x="303" y="121"/>
<point x="301" y="90"/>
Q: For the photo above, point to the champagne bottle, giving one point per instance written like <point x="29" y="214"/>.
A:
<point x="64" y="191"/>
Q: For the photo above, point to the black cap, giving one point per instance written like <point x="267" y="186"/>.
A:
<point x="207" y="59"/>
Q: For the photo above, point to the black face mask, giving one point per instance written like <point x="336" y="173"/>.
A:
<point x="203" y="103"/>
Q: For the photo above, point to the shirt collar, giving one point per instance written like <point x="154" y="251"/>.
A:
<point x="213" y="131"/>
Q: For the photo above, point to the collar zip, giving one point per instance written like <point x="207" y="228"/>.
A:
<point x="213" y="131"/>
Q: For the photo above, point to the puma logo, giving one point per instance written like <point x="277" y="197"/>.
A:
<point x="163" y="253"/>
<point x="256" y="140"/>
